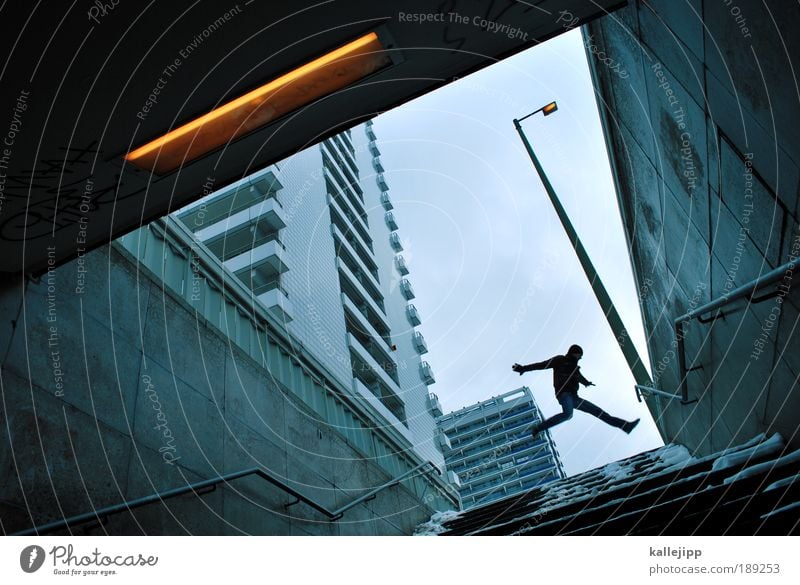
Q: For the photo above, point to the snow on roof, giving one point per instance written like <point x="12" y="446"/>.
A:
<point x="435" y="525"/>
<point x="782" y="483"/>
<point x="792" y="506"/>
<point x="765" y="466"/>
<point x="654" y="464"/>
<point x="769" y="447"/>
<point x="589" y="484"/>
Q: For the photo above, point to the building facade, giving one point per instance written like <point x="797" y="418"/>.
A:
<point x="699" y="112"/>
<point x="316" y="242"/>
<point x="490" y="450"/>
<point x="269" y="325"/>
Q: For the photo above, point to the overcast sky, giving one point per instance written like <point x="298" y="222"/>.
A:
<point x="495" y="277"/>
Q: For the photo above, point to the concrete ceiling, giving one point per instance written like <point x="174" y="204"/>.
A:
<point x="78" y="81"/>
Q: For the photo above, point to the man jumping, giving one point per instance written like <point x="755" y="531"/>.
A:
<point x="566" y="377"/>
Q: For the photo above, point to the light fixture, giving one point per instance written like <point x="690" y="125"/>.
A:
<point x="547" y="110"/>
<point x="291" y="91"/>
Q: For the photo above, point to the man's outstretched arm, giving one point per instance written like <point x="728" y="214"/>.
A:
<point x="584" y="381"/>
<point x="535" y="366"/>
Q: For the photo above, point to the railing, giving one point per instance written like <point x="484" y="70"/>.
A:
<point x="407" y="289"/>
<point x="102" y="514"/>
<point x="746" y="290"/>
<point x="371" y="495"/>
<point x="346" y="171"/>
<point x="642" y="391"/>
<point x="395" y="242"/>
<point x="413" y="315"/>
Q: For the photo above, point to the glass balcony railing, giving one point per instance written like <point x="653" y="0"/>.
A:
<point x="394" y="240"/>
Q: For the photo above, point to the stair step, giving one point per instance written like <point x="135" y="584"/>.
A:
<point x="747" y="489"/>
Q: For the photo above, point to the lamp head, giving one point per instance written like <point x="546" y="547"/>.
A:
<point x="549" y="108"/>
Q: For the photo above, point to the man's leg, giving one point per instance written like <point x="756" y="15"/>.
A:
<point x="567" y="402"/>
<point x="590" y="408"/>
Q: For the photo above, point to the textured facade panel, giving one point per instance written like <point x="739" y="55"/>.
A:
<point x="312" y="280"/>
<point x="711" y="208"/>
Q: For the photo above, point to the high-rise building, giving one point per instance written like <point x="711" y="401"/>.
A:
<point x="315" y="241"/>
<point x="490" y="448"/>
<point x="267" y="326"/>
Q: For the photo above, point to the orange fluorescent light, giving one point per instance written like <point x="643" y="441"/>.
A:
<point x="255" y="109"/>
<point x="549" y="108"/>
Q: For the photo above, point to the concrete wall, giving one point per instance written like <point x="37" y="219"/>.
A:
<point x="146" y="395"/>
<point x="700" y="112"/>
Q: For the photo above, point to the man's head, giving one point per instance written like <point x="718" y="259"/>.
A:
<point x="575" y="351"/>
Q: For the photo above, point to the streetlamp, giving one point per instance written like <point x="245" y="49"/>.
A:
<point x="614" y="320"/>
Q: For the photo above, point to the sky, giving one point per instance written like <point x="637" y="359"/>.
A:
<point x="495" y="277"/>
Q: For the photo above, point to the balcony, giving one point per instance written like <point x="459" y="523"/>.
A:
<point x="442" y="441"/>
<point x="377" y="165"/>
<point x="407" y="289"/>
<point x="488" y="449"/>
<point x="370" y="132"/>
<point x="390" y="221"/>
<point x="340" y="173"/>
<point x="400" y="263"/>
<point x="345" y="136"/>
<point x="413" y="315"/>
<point x="359" y="288"/>
<point x="381" y="182"/>
<point x="347" y="154"/>
<point x="268" y="214"/>
<point x="366" y="359"/>
<point x="230" y="200"/>
<point x="368" y="272"/>
<point x="394" y="240"/>
<point x="365" y="325"/>
<point x="373" y="398"/>
<point x="266" y="183"/>
<point x="434" y="406"/>
<point x="364" y="282"/>
<point x="337" y="161"/>
<point x="419" y="343"/>
<point x="426" y="373"/>
<point x="345" y="201"/>
<point x="504" y="468"/>
<point x="482" y="491"/>
<point x="452" y="478"/>
<point x="386" y="202"/>
<point x="340" y="219"/>
<point x="268" y="257"/>
<point x="277" y="302"/>
<point x="373" y="148"/>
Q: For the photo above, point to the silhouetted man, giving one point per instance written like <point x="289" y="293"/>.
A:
<point x="566" y="377"/>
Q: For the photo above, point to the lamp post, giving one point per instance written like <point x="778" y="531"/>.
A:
<point x="635" y="363"/>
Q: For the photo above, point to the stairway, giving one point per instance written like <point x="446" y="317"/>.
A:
<point x="750" y="489"/>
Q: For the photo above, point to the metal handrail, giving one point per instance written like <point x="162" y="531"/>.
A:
<point x="642" y="390"/>
<point x="101" y="514"/>
<point x="745" y="290"/>
<point x="371" y="495"/>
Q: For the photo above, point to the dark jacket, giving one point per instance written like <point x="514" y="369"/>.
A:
<point x="566" y="373"/>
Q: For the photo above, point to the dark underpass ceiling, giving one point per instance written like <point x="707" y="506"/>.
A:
<point x="86" y="83"/>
